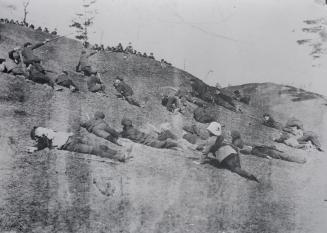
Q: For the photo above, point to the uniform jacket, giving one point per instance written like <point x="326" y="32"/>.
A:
<point x="28" y="54"/>
<point x="124" y="89"/>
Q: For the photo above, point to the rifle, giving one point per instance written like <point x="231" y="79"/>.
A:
<point x="58" y="37"/>
<point x="50" y="71"/>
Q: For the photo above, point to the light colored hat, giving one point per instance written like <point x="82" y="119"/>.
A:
<point x="215" y="128"/>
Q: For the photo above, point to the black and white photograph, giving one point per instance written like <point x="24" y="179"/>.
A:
<point x="163" y="116"/>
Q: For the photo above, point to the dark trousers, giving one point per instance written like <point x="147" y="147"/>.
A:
<point x="232" y="163"/>
<point x="67" y="83"/>
<point x="78" y="144"/>
<point x="132" y="101"/>
<point x="265" y="151"/>
<point x="107" y="133"/>
<point x="42" y="79"/>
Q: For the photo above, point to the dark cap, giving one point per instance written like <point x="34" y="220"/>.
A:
<point x="235" y="134"/>
<point x="99" y="115"/>
<point x="119" y="78"/>
<point x="27" y="44"/>
<point x="126" y="122"/>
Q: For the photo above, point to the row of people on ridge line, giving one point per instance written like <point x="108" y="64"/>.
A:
<point x="119" y="48"/>
<point x="128" y="50"/>
<point x="31" y="26"/>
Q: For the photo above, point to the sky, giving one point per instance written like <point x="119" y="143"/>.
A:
<point x="227" y="41"/>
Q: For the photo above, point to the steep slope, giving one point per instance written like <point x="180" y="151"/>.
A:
<point x="158" y="190"/>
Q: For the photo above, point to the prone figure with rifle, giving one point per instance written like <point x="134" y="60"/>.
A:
<point x="28" y="64"/>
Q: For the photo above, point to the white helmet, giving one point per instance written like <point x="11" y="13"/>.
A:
<point x="215" y="128"/>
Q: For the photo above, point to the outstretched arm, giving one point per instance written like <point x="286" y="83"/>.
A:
<point x="92" y="53"/>
<point x="38" y="45"/>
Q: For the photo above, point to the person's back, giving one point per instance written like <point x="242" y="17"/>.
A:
<point x="270" y="122"/>
<point x="138" y="136"/>
<point x="94" y="84"/>
<point x="94" y="123"/>
<point x="124" y="89"/>
<point x="98" y="126"/>
<point x="28" y="55"/>
<point x="92" y="80"/>
<point x="61" y="78"/>
<point x="171" y="103"/>
<point x="134" y="134"/>
<point x="83" y="61"/>
<point x="84" y="64"/>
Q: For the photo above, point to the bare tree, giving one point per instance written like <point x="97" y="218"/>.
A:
<point x="25" y="5"/>
<point x="84" y="20"/>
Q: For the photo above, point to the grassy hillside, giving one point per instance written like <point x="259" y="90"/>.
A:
<point x="158" y="190"/>
<point x="284" y="102"/>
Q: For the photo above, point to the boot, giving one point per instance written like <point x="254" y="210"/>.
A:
<point x="113" y="140"/>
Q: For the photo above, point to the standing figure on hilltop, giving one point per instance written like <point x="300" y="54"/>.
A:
<point x="119" y="48"/>
<point x="125" y="91"/>
<point x="129" y="48"/>
<point x="151" y="56"/>
<point x="46" y="30"/>
<point x="54" y="32"/>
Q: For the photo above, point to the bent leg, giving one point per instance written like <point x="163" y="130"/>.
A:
<point x="100" y="133"/>
<point x="290" y="157"/>
<point x="42" y="79"/>
<point x="95" y="88"/>
<point x="232" y="162"/>
<point x="310" y="136"/>
<point x="102" y="150"/>
<point x="104" y="134"/>
<point x="132" y="101"/>
<point x="227" y="99"/>
<point x="112" y="131"/>
<point x="160" y="144"/>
